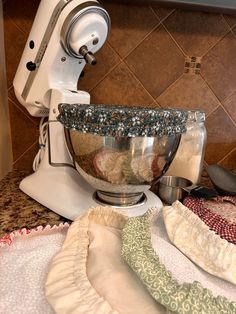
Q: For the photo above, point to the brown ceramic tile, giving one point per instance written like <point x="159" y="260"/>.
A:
<point x="229" y="161"/>
<point x="106" y="59"/>
<point x="12" y="97"/>
<point x="221" y="136"/>
<point x="155" y="104"/>
<point x="24" y="131"/>
<point x="230" y="19"/>
<point x="14" y="44"/>
<point x="130" y="24"/>
<point x="25" y="162"/>
<point x="190" y="92"/>
<point x="230" y="106"/>
<point x="21" y="12"/>
<point x="120" y="87"/>
<point x="196" y="32"/>
<point x="157" y="62"/>
<point x="219" y="67"/>
<point x="162" y="12"/>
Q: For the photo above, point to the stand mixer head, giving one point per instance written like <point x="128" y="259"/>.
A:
<point x="65" y="36"/>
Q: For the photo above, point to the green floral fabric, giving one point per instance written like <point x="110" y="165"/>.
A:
<point x="179" y="298"/>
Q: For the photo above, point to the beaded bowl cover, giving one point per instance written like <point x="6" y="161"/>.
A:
<point x="116" y="120"/>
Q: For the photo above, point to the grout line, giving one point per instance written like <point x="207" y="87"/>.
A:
<point x="211" y="89"/>
<point x="231" y="27"/>
<point x="137" y="79"/>
<point x="216" y="108"/>
<point x="182" y="50"/>
<point x="108" y="72"/>
<point x="165" y="17"/>
<point x="217" y="42"/>
<point x="229" y="153"/>
<point x="17" y="26"/>
<point x="132" y="73"/>
<point x="232" y="31"/>
<point x="234" y="123"/>
<point x="22" y="111"/>
<point x="230" y="95"/>
<point x="8" y="88"/>
<point x="122" y="60"/>
<point x="175" y="41"/>
<point x="22" y="155"/>
<point x="113" y="49"/>
<point x="228" y="115"/>
<point x="172" y="84"/>
<point x="221" y="102"/>
<point x="139" y="43"/>
<point x="105" y="76"/>
<point x="160" y="24"/>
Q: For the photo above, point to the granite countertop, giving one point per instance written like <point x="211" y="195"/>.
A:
<point x="18" y="210"/>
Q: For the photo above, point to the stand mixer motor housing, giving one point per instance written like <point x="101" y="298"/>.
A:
<point x="65" y="35"/>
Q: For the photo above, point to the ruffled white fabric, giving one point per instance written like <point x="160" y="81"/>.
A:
<point x="89" y="275"/>
<point x="67" y="287"/>
<point x="181" y="267"/>
<point x="194" y="238"/>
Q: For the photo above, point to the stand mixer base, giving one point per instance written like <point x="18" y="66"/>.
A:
<point x="119" y="200"/>
<point x="69" y="195"/>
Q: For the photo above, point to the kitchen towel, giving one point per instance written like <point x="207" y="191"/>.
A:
<point x="24" y="259"/>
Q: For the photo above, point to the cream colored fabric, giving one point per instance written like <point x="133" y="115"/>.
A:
<point x="89" y="276"/>
<point x="194" y="238"/>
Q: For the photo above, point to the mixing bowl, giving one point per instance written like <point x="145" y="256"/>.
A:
<point x="121" y="151"/>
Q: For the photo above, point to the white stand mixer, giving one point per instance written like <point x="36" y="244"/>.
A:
<point x="65" y="35"/>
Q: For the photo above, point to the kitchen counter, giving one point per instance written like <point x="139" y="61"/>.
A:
<point x="18" y="210"/>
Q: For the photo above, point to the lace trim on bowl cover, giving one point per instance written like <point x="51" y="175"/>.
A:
<point x="183" y="298"/>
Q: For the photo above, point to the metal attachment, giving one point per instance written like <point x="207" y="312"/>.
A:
<point x="88" y="55"/>
<point x="118" y="199"/>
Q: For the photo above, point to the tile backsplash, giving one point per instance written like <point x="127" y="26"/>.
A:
<point x="154" y="56"/>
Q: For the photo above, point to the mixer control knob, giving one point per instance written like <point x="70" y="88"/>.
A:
<point x="31" y="66"/>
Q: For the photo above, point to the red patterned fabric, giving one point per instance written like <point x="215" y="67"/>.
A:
<point x="215" y="222"/>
